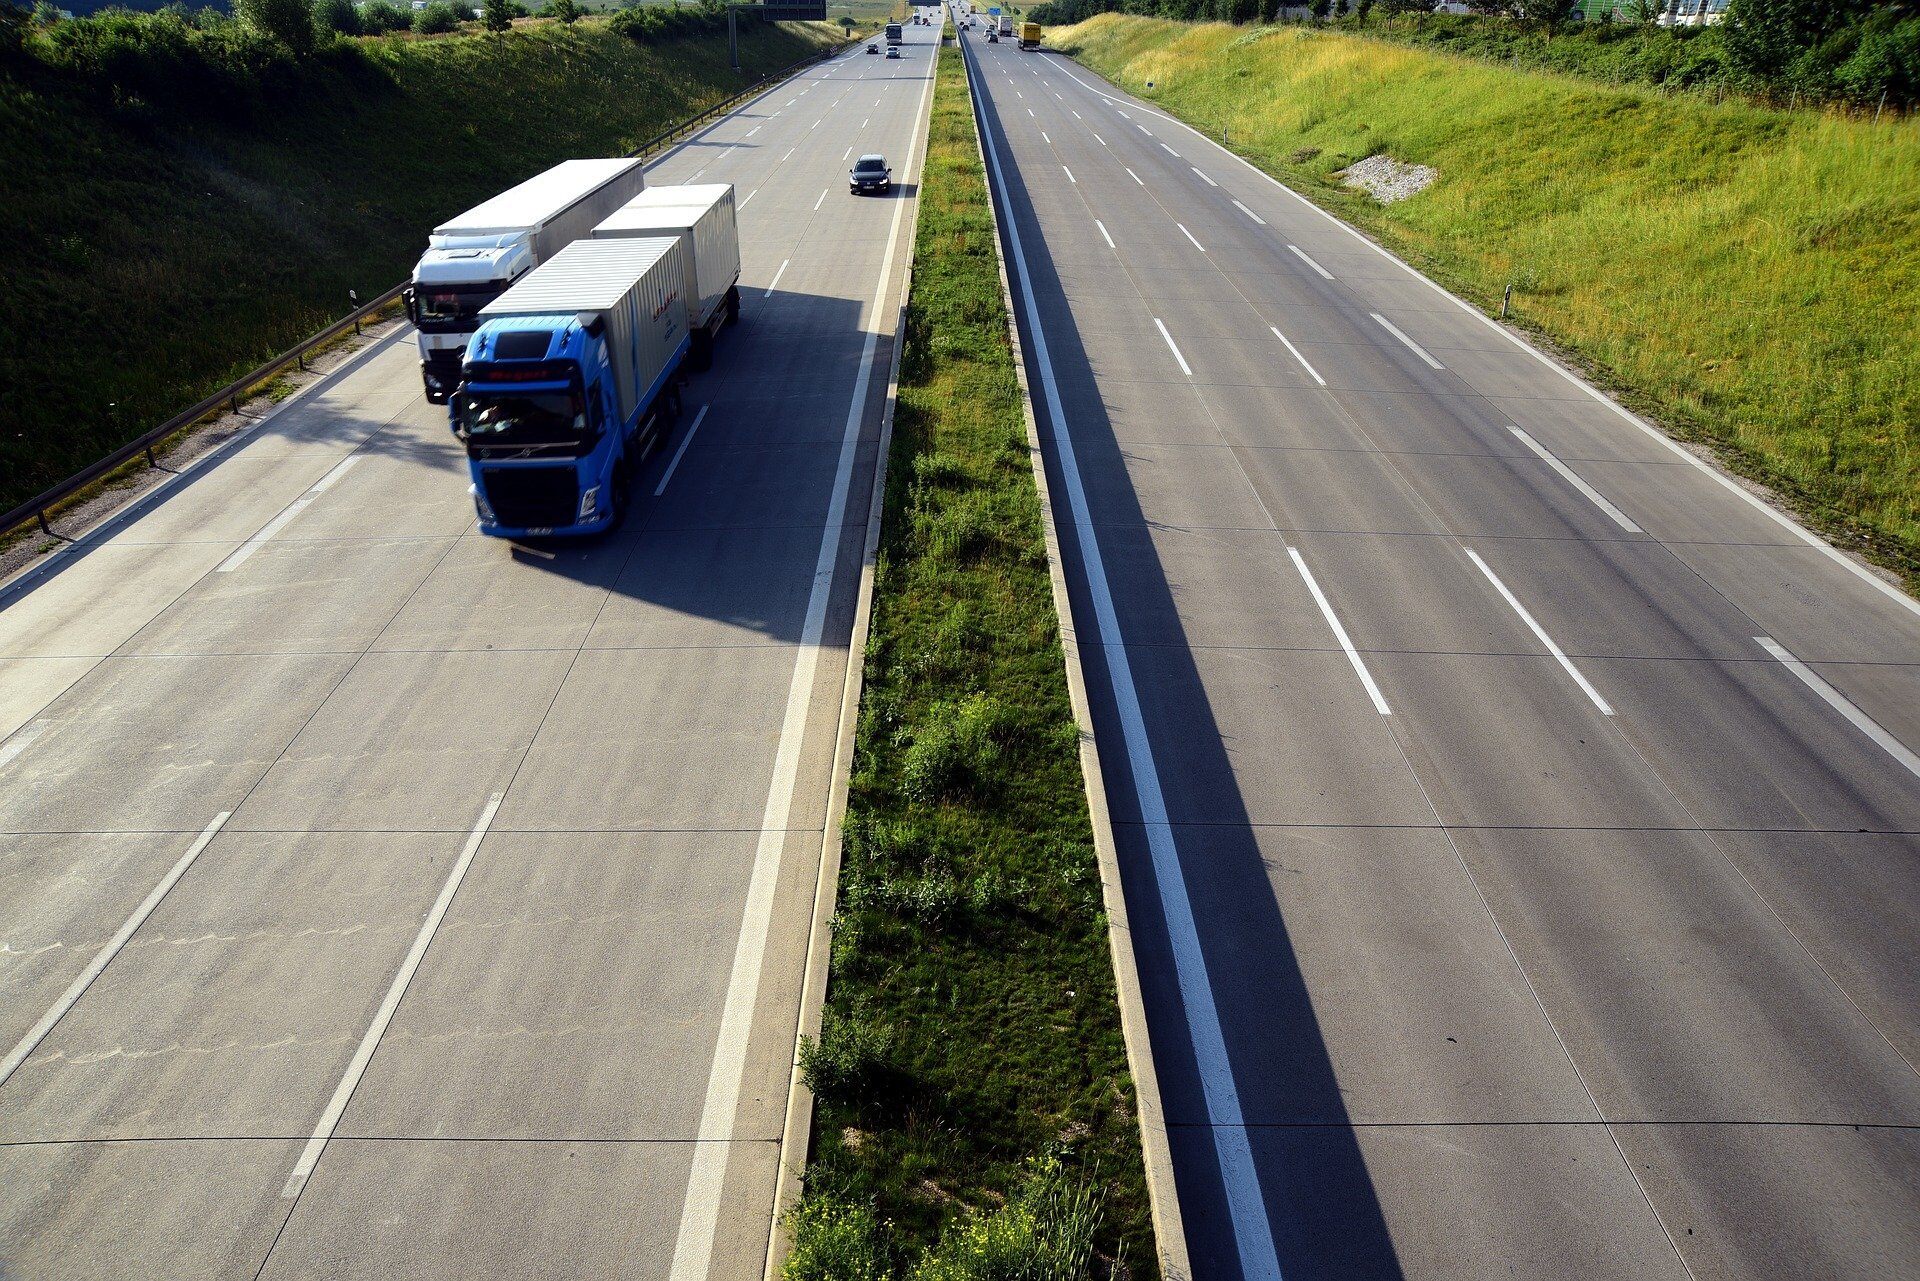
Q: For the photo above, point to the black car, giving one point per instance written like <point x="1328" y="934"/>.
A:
<point x="870" y="173"/>
<point x="873" y="48"/>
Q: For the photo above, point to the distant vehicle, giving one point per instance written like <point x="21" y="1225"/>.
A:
<point x="893" y="51"/>
<point x="873" y="48"/>
<point x="1003" y="25"/>
<point x="870" y="173"/>
<point x="1029" y="35"/>
<point x="893" y="33"/>
<point x="993" y="37"/>
<point x="570" y="378"/>
<point x="472" y="259"/>
<point x="702" y="218"/>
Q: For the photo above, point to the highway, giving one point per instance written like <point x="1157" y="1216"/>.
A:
<point x="1517" y="818"/>
<point x="380" y="900"/>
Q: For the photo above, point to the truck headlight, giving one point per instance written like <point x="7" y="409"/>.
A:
<point x="480" y="502"/>
<point x="589" y="502"/>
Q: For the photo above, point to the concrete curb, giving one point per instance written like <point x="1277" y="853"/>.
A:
<point x="1168" y="1229"/>
<point x="796" y="1136"/>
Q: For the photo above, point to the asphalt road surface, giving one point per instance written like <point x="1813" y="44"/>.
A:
<point x="1517" y="819"/>
<point x="380" y="901"/>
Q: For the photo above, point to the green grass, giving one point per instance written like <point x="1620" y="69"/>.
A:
<point x="974" y="1105"/>
<point x="154" y="256"/>
<point x="1748" y="276"/>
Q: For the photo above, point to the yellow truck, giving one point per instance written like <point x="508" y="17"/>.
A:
<point x="1029" y="35"/>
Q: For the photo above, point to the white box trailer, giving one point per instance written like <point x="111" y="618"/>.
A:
<point x="702" y="218"/>
<point x="633" y="288"/>
<point x="472" y="258"/>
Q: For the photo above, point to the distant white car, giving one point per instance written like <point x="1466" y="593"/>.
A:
<point x="893" y="51"/>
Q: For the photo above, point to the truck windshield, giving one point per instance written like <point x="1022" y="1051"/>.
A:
<point x="445" y="309"/>
<point x="521" y="420"/>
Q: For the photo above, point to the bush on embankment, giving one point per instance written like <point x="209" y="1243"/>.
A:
<point x="184" y="200"/>
<point x="1750" y="276"/>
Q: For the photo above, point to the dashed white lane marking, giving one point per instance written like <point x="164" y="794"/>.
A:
<point x="1145" y="130"/>
<point x="1249" y="213"/>
<point x="1297" y="253"/>
<point x="1170" y="151"/>
<point x="1233" y="1153"/>
<point x="1045" y="139"/>
<point x="789" y="155"/>
<point x="1131" y="174"/>
<point x="1340" y="632"/>
<point x="58" y="1011"/>
<point x="1189" y="235"/>
<point x="1210" y="182"/>
<point x="822" y="200"/>
<point x="1123" y="115"/>
<point x="1170" y="347"/>
<point x="749" y="198"/>
<point x="1030" y="113"/>
<point x="287" y="514"/>
<point x="1076" y="115"/>
<point x="1832" y="698"/>
<point x="1297" y="356"/>
<point x="846" y="153"/>
<point x="1411" y="345"/>
<point x="1097" y="138"/>
<point x="1069" y="173"/>
<point x="23" y="737"/>
<point x="1540" y="633"/>
<point x="866" y="122"/>
<point x="1620" y="518"/>
<point x="698" y="418"/>
<point x="754" y="130"/>
<point x="330" y="1119"/>
<point x="1096" y="222"/>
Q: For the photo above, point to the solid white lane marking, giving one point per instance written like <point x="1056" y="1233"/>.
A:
<point x="1096" y="222"/>
<point x="1297" y="356"/>
<point x="687" y="439"/>
<point x="1246" y="1207"/>
<point x="23" y="737"/>
<point x="1097" y="138"/>
<point x="286" y="515"/>
<point x="330" y="1119"/>
<point x="822" y="200"/>
<point x="1340" y="633"/>
<point x="1189" y="235"/>
<point x="1170" y="347"/>
<point x="1131" y="174"/>
<point x="1411" y="345"/>
<point x="775" y="283"/>
<point x="1540" y="633"/>
<point x="1070" y="177"/>
<point x="1210" y="182"/>
<point x="58" y="1011"/>
<point x="1620" y="518"/>
<point x="700" y="1213"/>
<point x="750" y="196"/>
<point x="1296" y="251"/>
<point x="1838" y="702"/>
<point x="1249" y="213"/>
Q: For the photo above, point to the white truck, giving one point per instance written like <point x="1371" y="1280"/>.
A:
<point x="1004" y="26"/>
<point x="472" y="259"/>
<point x="701" y="216"/>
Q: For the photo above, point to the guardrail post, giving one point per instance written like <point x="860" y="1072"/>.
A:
<point x="150" y="459"/>
<point x="44" y="527"/>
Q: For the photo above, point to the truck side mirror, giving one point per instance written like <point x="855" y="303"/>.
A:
<point x="413" y="309"/>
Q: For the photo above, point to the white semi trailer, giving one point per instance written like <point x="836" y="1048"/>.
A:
<point x="473" y="259"/>
<point x="702" y="218"/>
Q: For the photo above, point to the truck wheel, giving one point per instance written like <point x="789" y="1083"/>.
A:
<point x="622" y="483"/>
<point x="733" y="305"/>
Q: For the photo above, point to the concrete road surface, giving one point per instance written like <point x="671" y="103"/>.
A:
<point x="1518" y="820"/>
<point x="378" y="901"/>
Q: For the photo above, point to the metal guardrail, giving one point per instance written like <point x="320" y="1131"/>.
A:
<point x="37" y="507"/>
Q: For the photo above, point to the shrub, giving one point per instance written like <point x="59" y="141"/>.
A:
<point x="564" y="10"/>
<point x="337" y="17"/>
<point x="956" y="744"/>
<point x="380" y="17"/>
<point x="288" y="21"/>
<point x="1045" y="1233"/>
<point x="497" y="14"/>
<point x="835" y="1240"/>
<point x="852" y="1060"/>
<point x="436" y="19"/>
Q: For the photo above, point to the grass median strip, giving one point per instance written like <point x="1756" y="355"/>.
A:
<point x="974" y="1114"/>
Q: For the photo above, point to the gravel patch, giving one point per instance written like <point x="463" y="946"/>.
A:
<point x="1387" y="179"/>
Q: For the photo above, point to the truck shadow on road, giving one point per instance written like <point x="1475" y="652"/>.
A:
<point x="1320" y="1200"/>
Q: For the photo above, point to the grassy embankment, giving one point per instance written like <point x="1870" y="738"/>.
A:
<point x="1750" y="277"/>
<point x="155" y="253"/>
<point x="971" y="1078"/>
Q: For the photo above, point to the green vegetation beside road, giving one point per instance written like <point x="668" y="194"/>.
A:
<point x="975" y="1117"/>
<point x="1748" y="276"/>
<point x="162" y="244"/>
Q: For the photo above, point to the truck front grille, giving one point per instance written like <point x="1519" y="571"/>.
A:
<point x="532" y="497"/>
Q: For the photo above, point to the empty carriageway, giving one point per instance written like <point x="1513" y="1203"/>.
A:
<point x="380" y="900"/>
<point x="1517" y="819"/>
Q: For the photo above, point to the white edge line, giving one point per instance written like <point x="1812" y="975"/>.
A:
<point x="1567" y="474"/>
<point x="78" y="987"/>
<point x="1170" y="347"/>
<point x="686" y="440"/>
<point x="1297" y="356"/>
<point x="1297" y="252"/>
<point x="350" y="1080"/>
<point x="1838" y="702"/>
<point x="1411" y="345"/>
<point x="1103" y="235"/>
<point x="1246" y="1207"/>
<point x="1732" y="486"/>
<point x="700" y="1212"/>
<point x="1340" y="633"/>
<point x="1541" y="633"/>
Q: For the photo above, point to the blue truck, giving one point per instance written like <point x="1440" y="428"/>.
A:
<point x="571" y="378"/>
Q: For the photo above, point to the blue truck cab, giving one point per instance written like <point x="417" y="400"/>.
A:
<point x="571" y="377"/>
